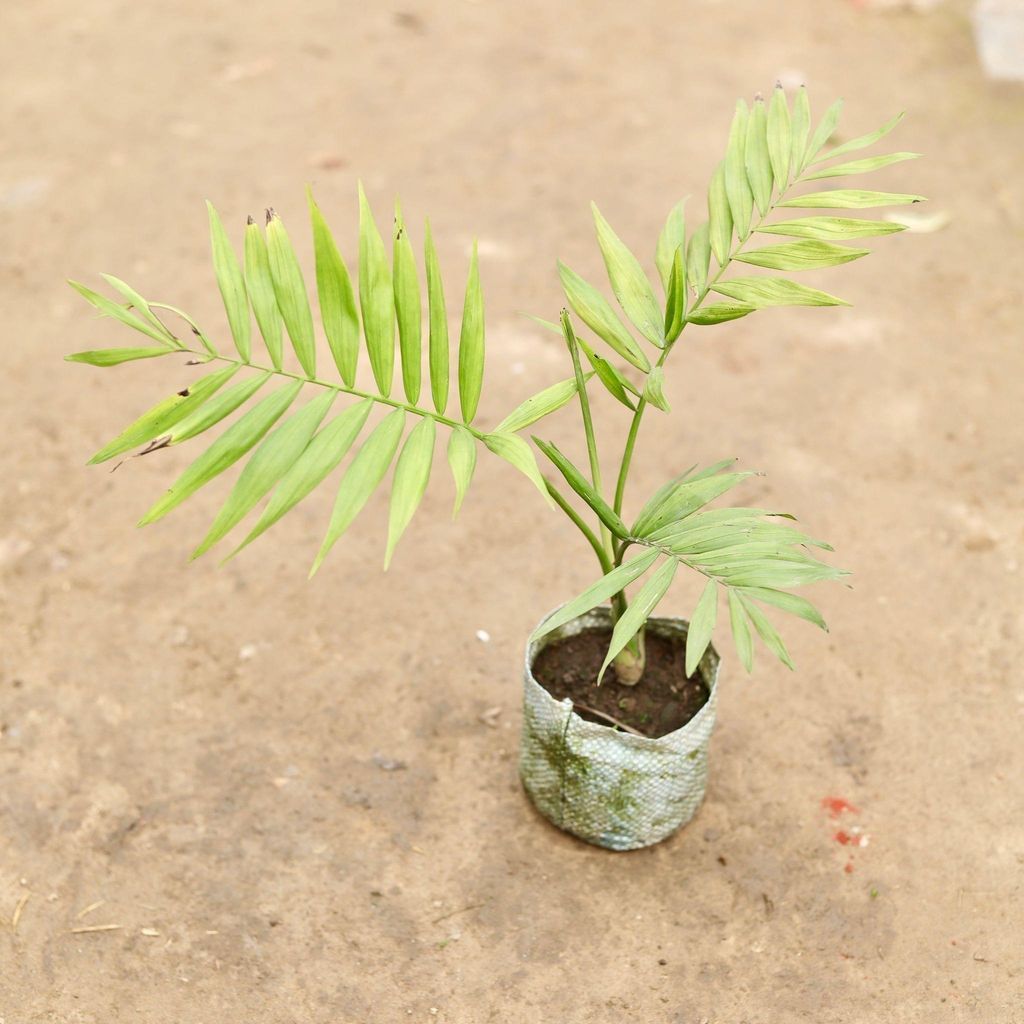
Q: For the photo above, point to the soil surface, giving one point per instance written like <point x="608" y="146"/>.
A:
<point x="296" y="802"/>
<point x="663" y="701"/>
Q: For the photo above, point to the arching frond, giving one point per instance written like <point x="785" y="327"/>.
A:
<point x="298" y="423"/>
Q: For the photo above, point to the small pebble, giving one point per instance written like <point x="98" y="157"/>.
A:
<point x="483" y="636"/>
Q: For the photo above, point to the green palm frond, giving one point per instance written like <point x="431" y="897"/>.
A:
<point x="295" y="423"/>
<point x="745" y="553"/>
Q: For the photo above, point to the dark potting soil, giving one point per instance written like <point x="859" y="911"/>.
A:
<point x="664" y="700"/>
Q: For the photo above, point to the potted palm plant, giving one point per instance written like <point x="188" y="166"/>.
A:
<point x="618" y="704"/>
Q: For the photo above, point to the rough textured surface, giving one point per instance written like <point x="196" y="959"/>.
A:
<point x="610" y="788"/>
<point x="195" y="746"/>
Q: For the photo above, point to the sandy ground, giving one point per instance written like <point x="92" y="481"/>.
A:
<point x="188" y="752"/>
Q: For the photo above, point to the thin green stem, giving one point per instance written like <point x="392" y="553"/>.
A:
<point x="588" y="533"/>
<point x="588" y="424"/>
<point x="342" y="388"/>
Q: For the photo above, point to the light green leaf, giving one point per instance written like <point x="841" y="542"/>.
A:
<point x="164" y="415"/>
<point x="851" y="199"/>
<point x="639" y="611"/>
<point x="824" y="131"/>
<point x="226" y="450"/>
<point x="698" y="258"/>
<point x="583" y="487"/>
<point x="800" y="126"/>
<point x="862" y="141"/>
<point x="616" y="384"/>
<point x="718" y="313"/>
<point x="471" y="343"/>
<point x="597" y="593"/>
<point x="321" y="456"/>
<point x="231" y="284"/>
<point x="873" y="163"/>
<point x="217" y="408"/>
<point x="192" y="324"/>
<point x="762" y="292"/>
<point x="290" y="290"/>
<point x="336" y="296"/>
<point x="438" y="343"/>
<point x="779" y="137"/>
<point x="260" y="285"/>
<point x="361" y="478"/>
<point x="376" y="298"/>
<point x="274" y="456"/>
<point x="756" y="157"/>
<point x="115" y="356"/>
<point x="808" y="254"/>
<point x="412" y="473"/>
<point x="143" y="308"/>
<point x="596" y="312"/>
<point x="654" y="392"/>
<point x="629" y="283"/>
<point x="672" y="236"/>
<point x="675" y="310"/>
<point x="788" y="603"/>
<point x="719" y="217"/>
<point x="767" y="632"/>
<point x="741" y="631"/>
<point x="702" y="625"/>
<point x="831" y="228"/>
<point x="110" y="308"/>
<point x="737" y="187"/>
<point x="538" y="406"/>
<point x="462" y="460"/>
<point x="513" y="449"/>
<point x="685" y="498"/>
<point x="408" y="308"/>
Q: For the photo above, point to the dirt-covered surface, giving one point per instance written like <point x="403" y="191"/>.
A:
<point x="297" y="802"/>
<point x="665" y="701"/>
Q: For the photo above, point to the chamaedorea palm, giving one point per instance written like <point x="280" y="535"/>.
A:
<point x="745" y="552"/>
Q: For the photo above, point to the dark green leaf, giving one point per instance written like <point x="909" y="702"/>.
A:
<point x="675" y="311"/>
<point x="583" y="487"/>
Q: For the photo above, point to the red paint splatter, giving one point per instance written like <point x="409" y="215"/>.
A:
<point x="844" y="837"/>
<point x="836" y="805"/>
